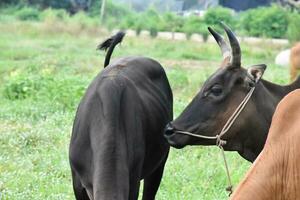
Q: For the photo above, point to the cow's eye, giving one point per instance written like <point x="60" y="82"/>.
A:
<point x="216" y="90"/>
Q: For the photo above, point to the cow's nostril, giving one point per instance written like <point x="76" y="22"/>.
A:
<point x="169" y="130"/>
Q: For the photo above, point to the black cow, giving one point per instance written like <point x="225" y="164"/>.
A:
<point x="117" y="137"/>
<point x="220" y="96"/>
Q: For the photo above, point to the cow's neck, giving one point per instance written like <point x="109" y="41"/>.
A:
<point x="266" y="98"/>
<point x="280" y="91"/>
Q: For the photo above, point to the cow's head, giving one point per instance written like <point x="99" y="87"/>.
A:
<point x="220" y="95"/>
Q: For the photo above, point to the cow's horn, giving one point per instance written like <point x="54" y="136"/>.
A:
<point x="226" y="52"/>
<point x="235" y="47"/>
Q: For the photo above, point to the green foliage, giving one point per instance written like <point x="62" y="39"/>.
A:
<point x="192" y="25"/>
<point x="58" y="4"/>
<point x="214" y="16"/>
<point x="293" y="32"/>
<point x="63" y="91"/>
<point x="129" y="21"/>
<point x="13" y="2"/>
<point x="118" y="11"/>
<point x="172" y="22"/>
<point x="266" y="21"/>
<point x="195" y="24"/>
<point x="28" y="13"/>
<point x="152" y="21"/>
<point x="22" y="87"/>
<point x="83" y="21"/>
<point x="273" y="21"/>
<point x="54" y="15"/>
<point x="115" y="16"/>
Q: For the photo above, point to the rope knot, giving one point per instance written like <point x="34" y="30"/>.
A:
<point x="219" y="142"/>
<point x="229" y="189"/>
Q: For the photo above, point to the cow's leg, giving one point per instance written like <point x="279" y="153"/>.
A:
<point x="151" y="182"/>
<point x="134" y="189"/>
<point x="79" y="191"/>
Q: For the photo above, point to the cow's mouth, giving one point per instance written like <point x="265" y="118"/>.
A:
<point x="179" y="139"/>
<point x="174" y="138"/>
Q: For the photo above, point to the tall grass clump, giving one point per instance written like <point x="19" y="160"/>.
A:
<point x="54" y="15"/>
<point x="58" y="20"/>
<point x="59" y="90"/>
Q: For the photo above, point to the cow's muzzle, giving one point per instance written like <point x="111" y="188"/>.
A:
<point x="169" y="130"/>
<point x="175" y="140"/>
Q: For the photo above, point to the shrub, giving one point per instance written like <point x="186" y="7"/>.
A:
<point x="265" y="21"/>
<point x="192" y="25"/>
<point x="151" y="21"/>
<point x="129" y="21"/>
<point x="195" y="24"/>
<point x="28" y="13"/>
<point x="83" y="21"/>
<point x="214" y="16"/>
<point x="118" y="11"/>
<point x="293" y="33"/>
<point x="171" y="22"/>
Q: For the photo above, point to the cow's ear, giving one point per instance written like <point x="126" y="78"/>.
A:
<point x="255" y="72"/>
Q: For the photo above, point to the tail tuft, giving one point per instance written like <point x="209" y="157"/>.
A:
<point x="109" y="44"/>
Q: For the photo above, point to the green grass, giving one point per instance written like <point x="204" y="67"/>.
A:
<point x="46" y="72"/>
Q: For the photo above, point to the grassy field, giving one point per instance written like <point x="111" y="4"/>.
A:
<point x="44" y="70"/>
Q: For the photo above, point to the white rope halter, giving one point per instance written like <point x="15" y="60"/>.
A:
<point x="220" y="142"/>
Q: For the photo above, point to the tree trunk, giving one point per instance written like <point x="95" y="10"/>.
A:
<point x="102" y="11"/>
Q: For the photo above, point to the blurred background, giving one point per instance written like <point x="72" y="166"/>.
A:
<point x="260" y="18"/>
<point x="48" y="58"/>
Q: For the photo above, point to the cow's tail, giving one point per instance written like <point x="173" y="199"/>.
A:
<point x="110" y="44"/>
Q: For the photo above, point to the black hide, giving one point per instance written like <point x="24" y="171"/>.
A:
<point x="117" y="137"/>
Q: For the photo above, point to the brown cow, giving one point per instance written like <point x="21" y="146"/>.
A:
<point x="276" y="172"/>
<point x="294" y="61"/>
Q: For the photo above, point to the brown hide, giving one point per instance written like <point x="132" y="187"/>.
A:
<point x="276" y="172"/>
<point x="294" y="61"/>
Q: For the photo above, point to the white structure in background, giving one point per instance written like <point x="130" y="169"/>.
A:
<point x="283" y="58"/>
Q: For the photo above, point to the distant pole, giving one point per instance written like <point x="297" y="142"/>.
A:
<point x="102" y="11"/>
<point x="130" y="4"/>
